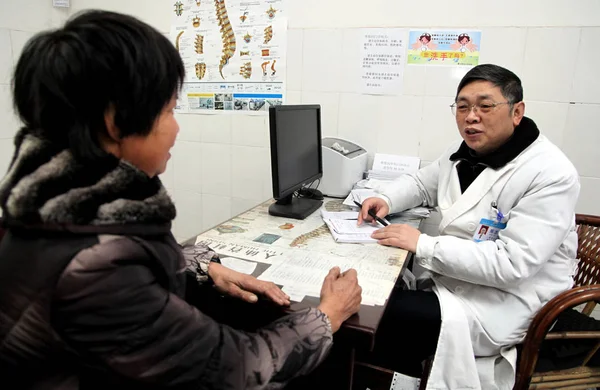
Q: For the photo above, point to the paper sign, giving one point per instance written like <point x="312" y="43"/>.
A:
<point x="61" y="3"/>
<point x="444" y="47"/>
<point x="395" y="164"/>
<point x="382" y="60"/>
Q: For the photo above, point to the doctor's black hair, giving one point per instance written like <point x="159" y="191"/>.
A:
<point x="507" y="81"/>
<point x="66" y="80"/>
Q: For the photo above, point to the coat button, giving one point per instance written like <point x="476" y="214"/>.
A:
<point x="471" y="226"/>
<point x="423" y="262"/>
<point x="459" y="290"/>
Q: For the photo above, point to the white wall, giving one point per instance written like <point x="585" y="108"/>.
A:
<point x="221" y="164"/>
<point x="19" y="21"/>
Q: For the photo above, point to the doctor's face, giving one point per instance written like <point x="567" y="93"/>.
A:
<point x="484" y="117"/>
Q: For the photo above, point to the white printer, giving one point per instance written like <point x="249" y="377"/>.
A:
<point x="343" y="165"/>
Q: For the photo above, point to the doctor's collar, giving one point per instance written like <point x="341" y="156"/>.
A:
<point x="524" y="135"/>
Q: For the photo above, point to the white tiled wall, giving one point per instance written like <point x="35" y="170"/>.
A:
<point x="19" y="20"/>
<point x="221" y="164"/>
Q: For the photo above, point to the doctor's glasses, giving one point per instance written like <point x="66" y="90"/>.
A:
<point x="463" y="109"/>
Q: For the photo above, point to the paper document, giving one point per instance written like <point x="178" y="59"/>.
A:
<point x="359" y="194"/>
<point x="302" y="274"/>
<point x="357" y="238"/>
<point x="246" y="251"/>
<point x="339" y="214"/>
<point x="343" y="226"/>
<point x="245" y="267"/>
<point x="416" y="212"/>
<point x="295" y="293"/>
<point x="390" y="166"/>
<point x="378" y="185"/>
<point x="404" y="382"/>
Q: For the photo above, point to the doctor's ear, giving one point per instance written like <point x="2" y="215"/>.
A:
<point x="518" y="112"/>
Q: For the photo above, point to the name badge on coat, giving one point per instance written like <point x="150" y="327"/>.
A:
<point x="488" y="229"/>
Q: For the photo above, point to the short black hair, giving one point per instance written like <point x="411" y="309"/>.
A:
<point x="66" y="80"/>
<point x="507" y="81"/>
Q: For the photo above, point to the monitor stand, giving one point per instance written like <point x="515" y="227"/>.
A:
<point x="294" y="207"/>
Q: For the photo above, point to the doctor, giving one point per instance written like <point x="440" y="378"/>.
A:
<point x="482" y="294"/>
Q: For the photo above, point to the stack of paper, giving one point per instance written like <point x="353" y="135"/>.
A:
<point x="416" y="212"/>
<point x="410" y="217"/>
<point x="359" y="195"/>
<point x="348" y="231"/>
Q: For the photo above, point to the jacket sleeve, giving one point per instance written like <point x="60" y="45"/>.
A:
<point x="539" y="223"/>
<point x="109" y="307"/>
<point x="197" y="259"/>
<point x="409" y="191"/>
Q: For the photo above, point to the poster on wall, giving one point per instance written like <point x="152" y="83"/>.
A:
<point x="444" y="47"/>
<point x="382" y="60"/>
<point x="234" y="53"/>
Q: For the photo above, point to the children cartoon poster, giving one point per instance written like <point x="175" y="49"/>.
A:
<point x="444" y="47"/>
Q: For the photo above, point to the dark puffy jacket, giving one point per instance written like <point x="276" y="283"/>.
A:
<point x="92" y="289"/>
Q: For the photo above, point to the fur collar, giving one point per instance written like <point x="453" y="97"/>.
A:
<point x="45" y="185"/>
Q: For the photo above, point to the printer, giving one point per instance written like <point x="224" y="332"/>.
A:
<point x="344" y="163"/>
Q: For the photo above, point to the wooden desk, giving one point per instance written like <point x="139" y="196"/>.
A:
<point x="257" y="236"/>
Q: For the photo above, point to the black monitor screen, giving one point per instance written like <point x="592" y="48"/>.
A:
<point x="295" y="147"/>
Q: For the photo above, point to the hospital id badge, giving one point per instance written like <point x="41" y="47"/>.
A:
<point x="488" y="230"/>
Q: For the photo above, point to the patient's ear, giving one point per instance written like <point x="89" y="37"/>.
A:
<point x="111" y="139"/>
<point x="111" y="128"/>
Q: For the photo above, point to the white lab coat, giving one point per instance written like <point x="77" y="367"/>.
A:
<point x="490" y="291"/>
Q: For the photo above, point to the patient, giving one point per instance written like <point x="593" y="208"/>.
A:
<point x="91" y="279"/>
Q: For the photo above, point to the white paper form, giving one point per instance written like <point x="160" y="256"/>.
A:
<point x="346" y="231"/>
<point x="245" y="267"/>
<point x="344" y="226"/>
<point x="295" y="293"/>
<point x="303" y="273"/>
<point x="339" y="214"/>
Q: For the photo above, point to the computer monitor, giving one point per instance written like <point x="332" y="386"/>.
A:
<point x="296" y="158"/>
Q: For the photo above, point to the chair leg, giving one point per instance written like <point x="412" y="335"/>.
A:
<point x="426" y="371"/>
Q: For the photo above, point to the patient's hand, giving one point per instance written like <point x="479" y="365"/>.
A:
<point x="398" y="235"/>
<point x="245" y="287"/>
<point x="340" y="296"/>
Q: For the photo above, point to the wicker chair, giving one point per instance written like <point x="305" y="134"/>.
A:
<point x="586" y="290"/>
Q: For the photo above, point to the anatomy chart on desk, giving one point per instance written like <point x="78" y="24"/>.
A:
<point x="234" y="53"/>
<point x="301" y="252"/>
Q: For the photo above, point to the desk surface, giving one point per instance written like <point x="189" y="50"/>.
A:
<point x="259" y="237"/>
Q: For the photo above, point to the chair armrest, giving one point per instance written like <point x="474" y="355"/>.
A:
<point x="542" y="321"/>
<point x="586" y="219"/>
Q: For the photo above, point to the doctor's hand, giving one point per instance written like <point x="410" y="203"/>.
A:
<point x="398" y="235"/>
<point x="245" y="287"/>
<point x="378" y="205"/>
<point x="340" y="296"/>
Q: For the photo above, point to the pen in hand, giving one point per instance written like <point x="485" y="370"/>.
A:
<point x="373" y="215"/>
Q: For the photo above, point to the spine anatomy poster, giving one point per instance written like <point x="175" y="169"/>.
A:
<point x="234" y="54"/>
